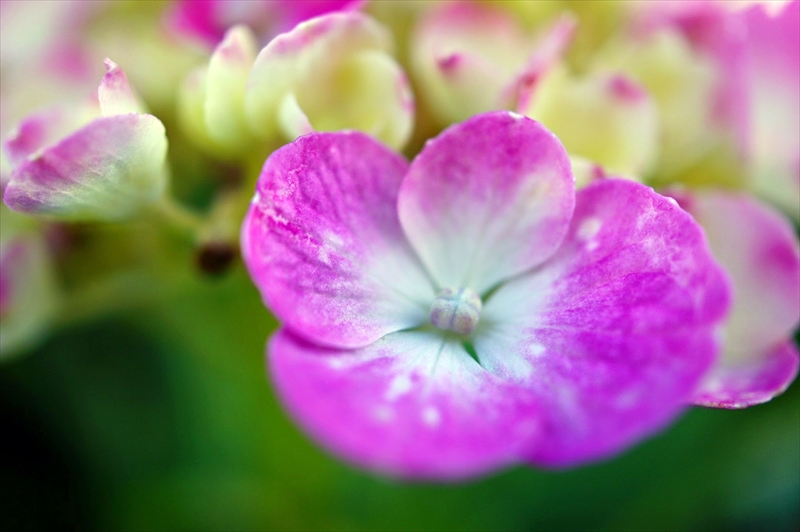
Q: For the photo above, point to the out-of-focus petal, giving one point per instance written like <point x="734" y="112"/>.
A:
<point x="228" y="71"/>
<point x="44" y="128"/>
<point x="106" y="170"/>
<point x="613" y="333"/>
<point x="115" y="94"/>
<point x="760" y="252"/>
<point x="464" y="55"/>
<point x="28" y="293"/>
<point x="773" y="54"/>
<point x="488" y="199"/>
<point x="681" y="82"/>
<point x="323" y="243"/>
<point x="756" y="381"/>
<point x="412" y="404"/>
<point x="207" y="20"/>
<point x="607" y="118"/>
<point x="341" y="74"/>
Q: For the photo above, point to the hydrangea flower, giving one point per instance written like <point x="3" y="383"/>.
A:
<point x="102" y="161"/>
<point x="470" y="311"/>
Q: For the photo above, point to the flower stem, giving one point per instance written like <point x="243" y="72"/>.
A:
<point x="179" y="218"/>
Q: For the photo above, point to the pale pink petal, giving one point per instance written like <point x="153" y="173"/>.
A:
<point x="548" y="53"/>
<point x="323" y="243"/>
<point x="751" y="383"/>
<point x="104" y="171"/>
<point x="115" y="94"/>
<point x="411" y="404"/>
<point x="615" y="331"/>
<point x="718" y="34"/>
<point x="760" y="252"/>
<point x="42" y="129"/>
<point x="467" y="56"/>
<point x="773" y="53"/>
<point x="488" y="199"/>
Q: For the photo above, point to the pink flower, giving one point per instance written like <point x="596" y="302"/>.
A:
<point x="470" y="311"/>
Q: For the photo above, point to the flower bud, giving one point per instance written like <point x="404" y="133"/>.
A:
<point x="101" y="162"/>
<point x="330" y="73"/>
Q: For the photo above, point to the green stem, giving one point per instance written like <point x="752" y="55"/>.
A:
<point x="179" y="218"/>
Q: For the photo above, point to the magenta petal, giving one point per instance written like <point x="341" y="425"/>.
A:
<point x="323" y="243"/>
<point x="487" y="199"/>
<point x="616" y="330"/>
<point x="751" y="383"/>
<point x="411" y="404"/>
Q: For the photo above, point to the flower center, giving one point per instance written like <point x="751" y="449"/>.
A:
<point x="457" y="310"/>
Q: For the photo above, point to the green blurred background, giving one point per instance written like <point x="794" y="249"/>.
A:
<point x="162" y="418"/>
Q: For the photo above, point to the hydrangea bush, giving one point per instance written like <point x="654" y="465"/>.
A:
<point x="595" y="231"/>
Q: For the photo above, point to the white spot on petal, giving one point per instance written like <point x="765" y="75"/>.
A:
<point x="515" y="116"/>
<point x="431" y="416"/>
<point x="537" y="349"/>
<point x="589" y="228"/>
<point x="256" y="197"/>
<point x="400" y="385"/>
<point x="383" y="413"/>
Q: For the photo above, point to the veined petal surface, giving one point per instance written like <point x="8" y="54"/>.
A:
<point x="104" y="171"/>
<point x="615" y="331"/>
<point x="412" y="404"/>
<point x="488" y="199"/>
<point x="324" y="245"/>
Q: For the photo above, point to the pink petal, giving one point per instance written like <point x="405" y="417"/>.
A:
<point x="115" y="94"/>
<point x="488" y="199"/>
<point x="41" y="129"/>
<point x="615" y="331"/>
<point x="467" y="56"/>
<point x="769" y="374"/>
<point x="323" y="243"/>
<point x="760" y="252"/>
<point x="105" y="170"/>
<point x="207" y="20"/>
<point x="548" y="53"/>
<point x="715" y="32"/>
<point x="773" y="53"/>
<point x="411" y="404"/>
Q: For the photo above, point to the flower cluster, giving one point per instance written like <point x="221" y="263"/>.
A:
<point x="595" y="231"/>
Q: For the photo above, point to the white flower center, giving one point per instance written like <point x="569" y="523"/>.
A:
<point x="457" y="310"/>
